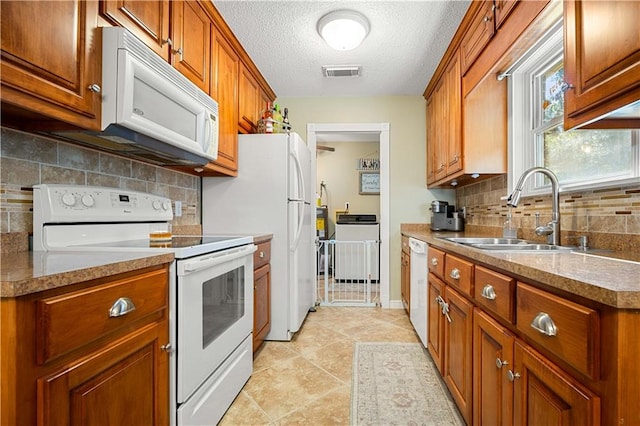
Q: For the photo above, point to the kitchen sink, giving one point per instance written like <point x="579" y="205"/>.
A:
<point x="507" y="244"/>
<point x="491" y="241"/>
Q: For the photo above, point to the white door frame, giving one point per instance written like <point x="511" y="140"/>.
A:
<point x="383" y="130"/>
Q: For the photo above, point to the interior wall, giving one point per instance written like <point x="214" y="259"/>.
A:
<point x="409" y="197"/>
<point x="338" y="171"/>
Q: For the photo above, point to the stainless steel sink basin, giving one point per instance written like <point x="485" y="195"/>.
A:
<point x="507" y="244"/>
<point x="473" y="241"/>
<point x="522" y="247"/>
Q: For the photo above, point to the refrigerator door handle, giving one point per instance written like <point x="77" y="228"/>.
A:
<point x="296" y="240"/>
<point x="300" y="176"/>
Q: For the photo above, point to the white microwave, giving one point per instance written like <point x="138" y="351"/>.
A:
<point x="149" y="110"/>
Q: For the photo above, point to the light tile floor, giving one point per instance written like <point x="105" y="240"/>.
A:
<point x="308" y="380"/>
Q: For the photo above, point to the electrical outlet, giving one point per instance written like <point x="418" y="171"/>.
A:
<point x="178" y="208"/>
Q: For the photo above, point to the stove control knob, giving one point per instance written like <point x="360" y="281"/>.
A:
<point x="87" y="200"/>
<point x="68" y="199"/>
<point x="166" y="206"/>
<point x="156" y="205"/>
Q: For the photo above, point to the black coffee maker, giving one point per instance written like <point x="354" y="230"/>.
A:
<point x="445" y="217"/>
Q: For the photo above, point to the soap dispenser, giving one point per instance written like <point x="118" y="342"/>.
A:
<point x="509" y="229"/>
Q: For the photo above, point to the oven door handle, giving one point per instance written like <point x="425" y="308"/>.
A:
<point x="203" y="262"/>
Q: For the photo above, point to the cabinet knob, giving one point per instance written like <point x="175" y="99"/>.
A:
<point x="167" y="348"/>
<point x="434" y="261"/>
<point x="261" y="255"/>
<point x="167" y="41"/>
<point x="512" y="375"/>
<point x="566" y="86"/>
<point x="488" y="292"/>
<point x="95" y="88"/>
<point x="455" y="274"/>
<point x="121" y="307"/>
<point x="179" y="51"/>
<point x="487" y="19"/>
<point x="544" y="324"/>
<point x="500" y="363"/>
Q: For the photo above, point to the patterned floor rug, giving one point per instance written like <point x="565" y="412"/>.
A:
<point x="398" y="384"/>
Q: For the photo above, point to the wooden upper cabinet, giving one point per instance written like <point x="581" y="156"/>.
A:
<point x="51" y="56"/>
<point x="249" y="101"/>
<point x="226" y="69"/>
<point x="148" y="20"/>
<point x="502" y="10"/>
<point x="480" y="31"/>
<point x="454" y="116"/>
<point x="603" y="78"/>
<point x="191" y="42"/>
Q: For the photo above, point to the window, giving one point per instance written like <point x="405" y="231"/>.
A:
<point x="582" y="159"/>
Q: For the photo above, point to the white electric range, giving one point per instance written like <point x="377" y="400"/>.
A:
<point x="211" y="285"/>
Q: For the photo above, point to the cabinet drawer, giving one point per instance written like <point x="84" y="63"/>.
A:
<point x="458" y="273"/>
<point x="495" y="292"/>
<point x="262" y="255"/>
<point x="69" y="321"/>
<point x="435" y="261"/>
<point x="564" y="328"/>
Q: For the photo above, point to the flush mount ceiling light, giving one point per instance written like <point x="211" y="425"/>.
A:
<point x="343" y="29"/>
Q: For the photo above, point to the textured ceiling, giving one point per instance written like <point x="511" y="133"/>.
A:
<point x="398" y="57"/>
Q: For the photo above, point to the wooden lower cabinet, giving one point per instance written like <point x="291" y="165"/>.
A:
<point x="435" y="320"/>
<point x="261" y="292"/>
<point x="458" y="350"/>
<point x="545" y="395"/>
<point x="492" y="357"/>
<point x="405" y="279"/>
<point x="115" y="373"/>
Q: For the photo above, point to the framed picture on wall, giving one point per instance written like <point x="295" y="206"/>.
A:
<point x="369" y="183"/>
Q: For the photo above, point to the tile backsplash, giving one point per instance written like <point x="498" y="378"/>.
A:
<point x="609" y="217"/>
<point x="27" y="160"/>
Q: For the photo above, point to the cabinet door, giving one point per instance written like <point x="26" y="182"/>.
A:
<point x="191" y="42"/>
<point x="261" y="304"/>
<point x="124" y="383"/>
<point x="603" y="78"/>
<point x="493" y="356"/>
<point x="51" y="56"/>
<point x="544" y="395"/>
<point x="405" y="280"/>
<point x="226" y="67"/>
<point x="503" y="9"/>
<point x="478" y="35"/>
<point x="431" y="140"/>
<point x="458" y="355"/>
<point x="148" y="20"/>
<point x="248" y="98"/>
<point x="435" y="324"/>
<point x="454" y="117"/>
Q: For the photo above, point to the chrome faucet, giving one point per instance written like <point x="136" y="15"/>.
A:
<point x="551" y="229"/>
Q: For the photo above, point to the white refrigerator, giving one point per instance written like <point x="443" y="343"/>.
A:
<point x="272" y="194"/>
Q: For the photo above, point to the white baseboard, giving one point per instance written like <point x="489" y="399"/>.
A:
<point x="396" y="304"/>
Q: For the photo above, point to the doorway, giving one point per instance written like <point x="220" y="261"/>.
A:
<point x="349" y="131"/>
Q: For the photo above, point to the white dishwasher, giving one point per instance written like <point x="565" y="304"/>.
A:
<point x="418" y="288"/>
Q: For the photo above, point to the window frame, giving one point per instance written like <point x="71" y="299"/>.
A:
<point x="523" y="121"/>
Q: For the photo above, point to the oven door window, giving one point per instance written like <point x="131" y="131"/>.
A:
<point x="223" y="304"/>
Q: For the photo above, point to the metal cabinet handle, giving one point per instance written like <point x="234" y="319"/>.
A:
<point x="512" y="376"/>
<point x="544" y="324"/>
<point x="178" y="51"/>
<point x="94" y="88"/>
<point x="566" y="86"/>
<point x="167" y="41"/>
<point x="121" y="307"/>
<point x="501" y="363"/>
<point x="487" y="19"/>
<point x="167" y="348"/>
<point x="434" y="261"/>
<point x="261" y="255"/>
<point x="455" y="274"/>
<point x="488" y="292"/>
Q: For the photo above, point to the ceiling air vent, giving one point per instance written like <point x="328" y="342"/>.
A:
<point x="342" y="71"/>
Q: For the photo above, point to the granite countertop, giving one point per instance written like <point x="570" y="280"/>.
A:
<point x="27" y="272"/>
<point x="607" y="280"/>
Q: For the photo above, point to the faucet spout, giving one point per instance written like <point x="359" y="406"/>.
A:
<point x="514" y="198"/>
